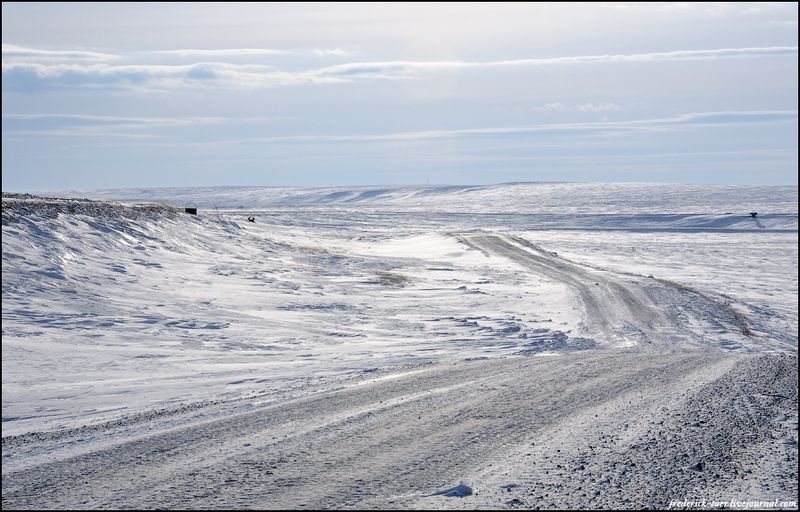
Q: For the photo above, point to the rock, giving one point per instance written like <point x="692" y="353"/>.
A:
<point x="697" y="468"/>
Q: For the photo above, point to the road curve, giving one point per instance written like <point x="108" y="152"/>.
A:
<point x="622" y="309"/>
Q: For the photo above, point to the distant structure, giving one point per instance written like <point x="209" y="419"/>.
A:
<point x="754" y="214"/>
<point x="191" y="208"/>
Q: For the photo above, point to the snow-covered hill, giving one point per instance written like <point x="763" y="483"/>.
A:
<point x="539" y="198"/>
<point x="108" y="308"/>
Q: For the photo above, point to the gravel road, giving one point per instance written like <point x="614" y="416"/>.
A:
<point x="599" y="428"/>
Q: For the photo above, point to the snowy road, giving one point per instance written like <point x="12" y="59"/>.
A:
<point x="510" y="429"/>
<point x="621" y="309"/>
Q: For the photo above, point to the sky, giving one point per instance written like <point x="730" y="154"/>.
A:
<point x="107" y="95"/>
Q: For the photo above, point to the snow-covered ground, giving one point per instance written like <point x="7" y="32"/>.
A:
<point x="134" y="321"/>
<point x="570" y="198"/>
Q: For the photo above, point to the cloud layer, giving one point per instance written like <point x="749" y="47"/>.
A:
<point x="682" y="120"/>
<point x="557" y="106"/>
<point x="127" y="94"/>
<point x="148" y="127"/>
<point x="27" y="69"/>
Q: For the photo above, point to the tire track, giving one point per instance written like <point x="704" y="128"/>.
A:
<point x="377" y="444"/>
<point x="622" y="309"/>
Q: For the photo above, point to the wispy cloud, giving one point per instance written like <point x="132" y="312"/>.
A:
<point x="677" y="122"/>
<point x="553" y="106"/>
<point x="78" y="132"/>
<point x="689" y="119"/>
<point x="118" y="119"/>
<point x="89" y="125"/>
<point x="338" y="52"/>
<point x="228" y="52"/>
<point x="14" y="52"/>
<point x="25" y="70"/>
<point x="605" y="106"/>
<point x="395" y="67"/>
<point x="32" y="77"/>
<point x="96" y="126"/>
<point x="251" y="52"/>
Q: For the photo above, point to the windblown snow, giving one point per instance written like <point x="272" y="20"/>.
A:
<point x="130" y="326"/>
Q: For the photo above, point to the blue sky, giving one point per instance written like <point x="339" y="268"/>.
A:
<point x="141" y="95"/>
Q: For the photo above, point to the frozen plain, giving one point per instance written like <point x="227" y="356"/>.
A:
<point x="546" y="345"/>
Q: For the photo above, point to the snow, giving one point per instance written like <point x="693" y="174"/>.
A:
<point x="121" y="307"/>
<point x="459" y="491"/>
<point x="149" y="319"/>
<point x="540" y="198"/>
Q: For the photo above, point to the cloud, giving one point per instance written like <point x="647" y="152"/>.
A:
<point x="36" y="77"/>
<point x="251" y="52"/>
<point x="116" y="120"/>
<point x="14" y="53"/>
<point x="97" y="125"/>
<point x="394" y="67"/>
<point x="338" y="52"/>
<point x="89" y="125"/>
<point x="605" y="106"/>
<point x="77" y="125"/>
<point x="24" y="69"/>
<point x="229" y="52"/>
<point x="551" y="107"/>
<point x="723" y="118"/>
<point x="727" y="117"/>
<point x="79" y="133"/>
